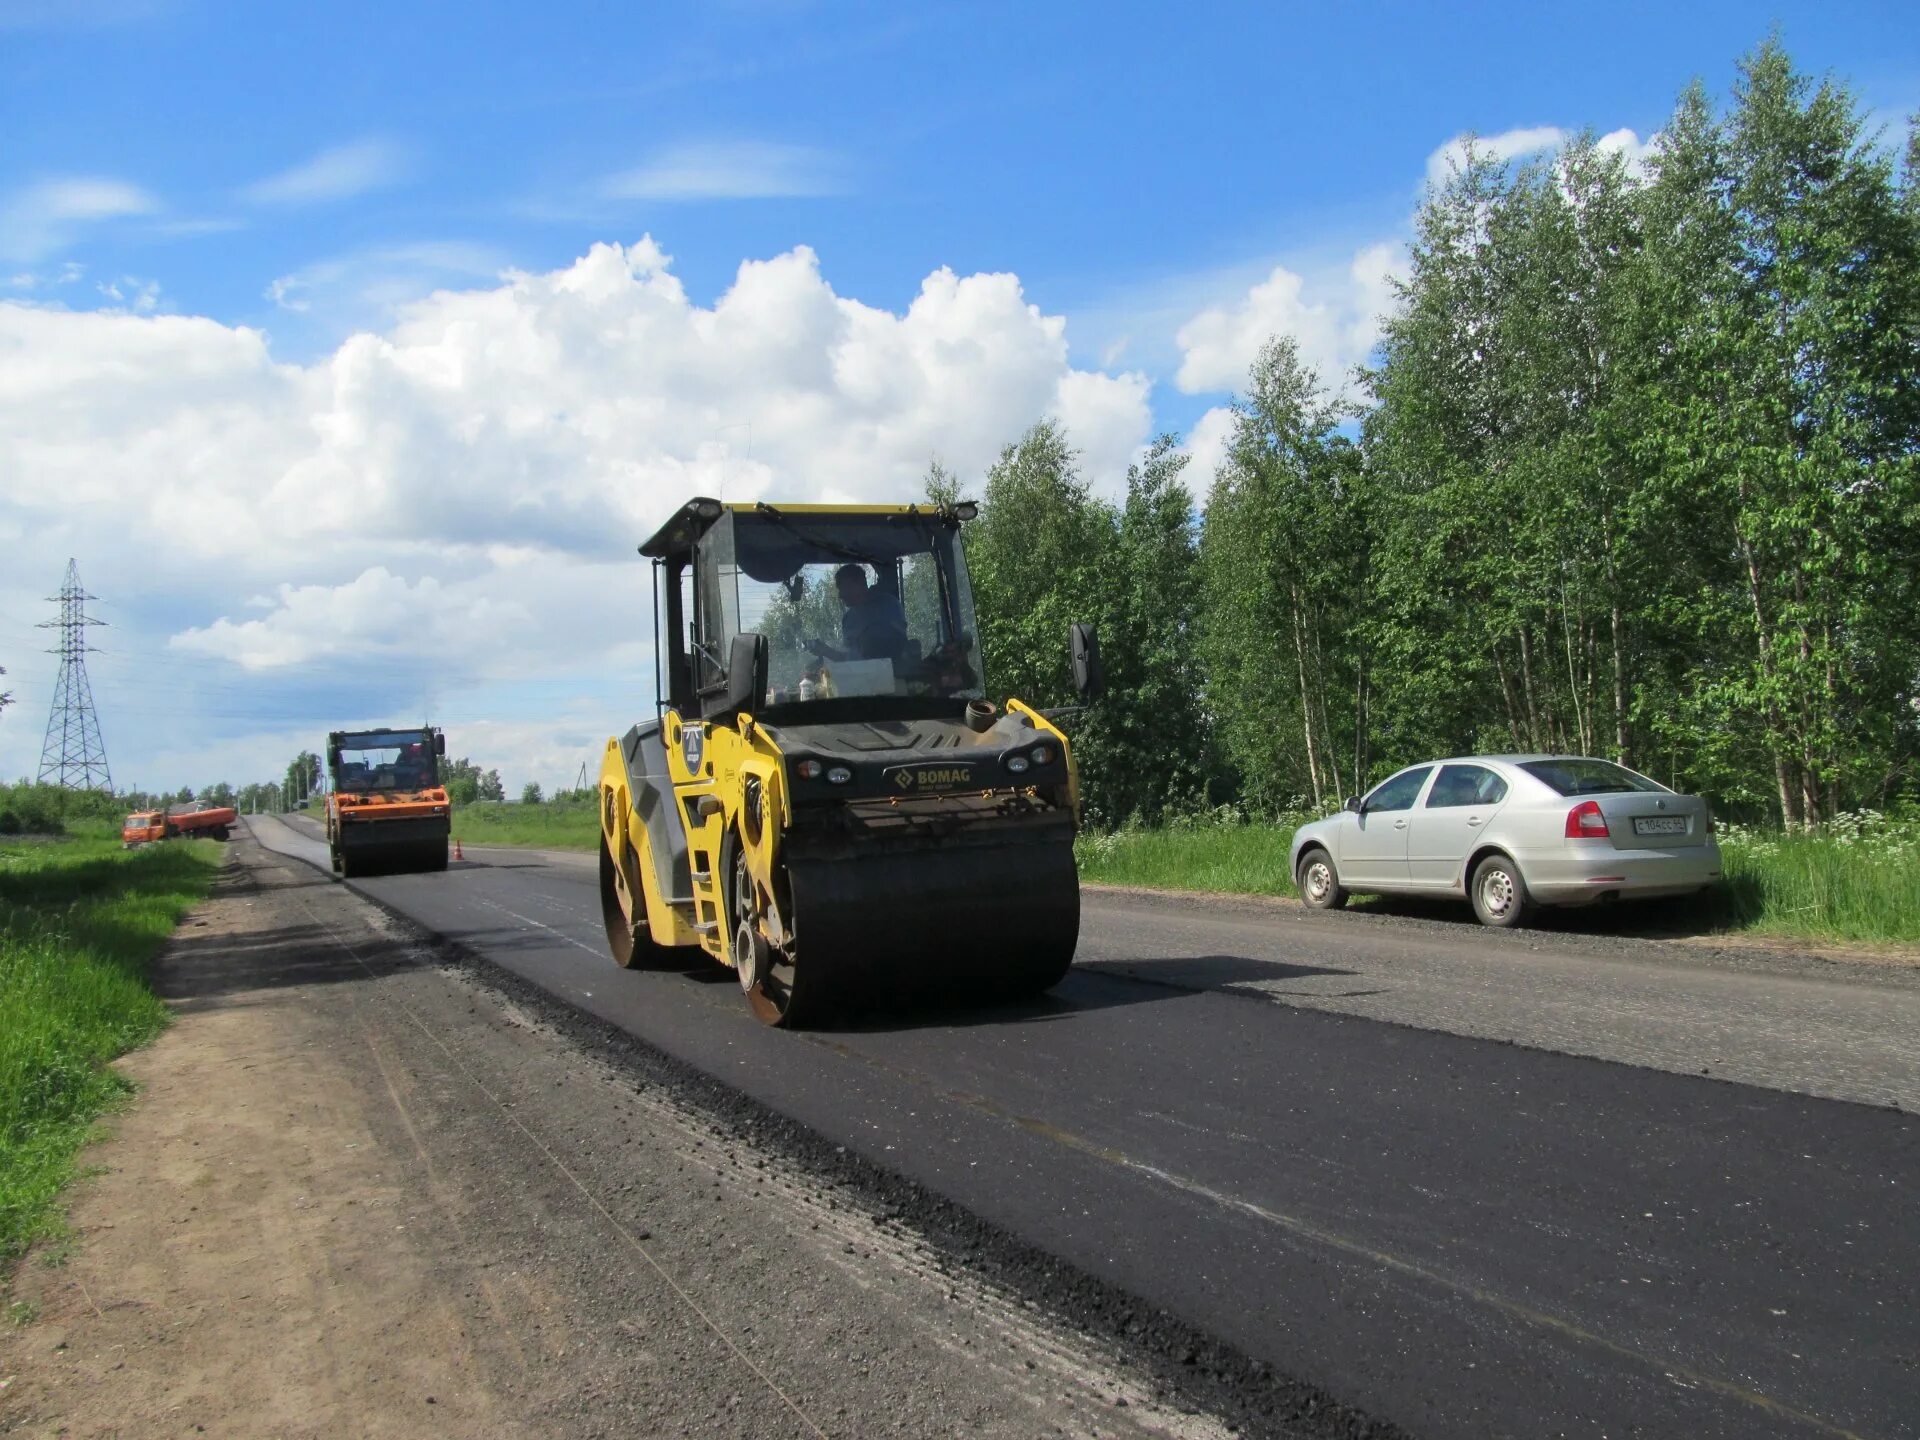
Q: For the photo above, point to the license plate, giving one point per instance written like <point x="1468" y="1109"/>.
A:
<point x="1661" y="825"/>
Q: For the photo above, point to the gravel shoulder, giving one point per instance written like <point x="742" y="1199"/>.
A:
<point x="1642" y="931"/>
<point x="363" y="1193"/>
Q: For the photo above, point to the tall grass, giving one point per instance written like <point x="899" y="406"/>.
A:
<point x="80" y="920"/>
<point x="552" y="825"/>
<point x="1228" y="859"/>
<point x="1858" y="880"/>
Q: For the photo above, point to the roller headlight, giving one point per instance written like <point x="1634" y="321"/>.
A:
<point x="807" y="769"/>
<point x="1017" y="764"/>
<point x="1042" y="754"/>
<point x="839" y="775"/>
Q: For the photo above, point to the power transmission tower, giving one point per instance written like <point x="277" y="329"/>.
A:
<point x="73" y="756"/>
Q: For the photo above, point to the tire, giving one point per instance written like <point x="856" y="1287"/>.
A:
<point x="1499" y="893"/>
<point x="1319" y="881"/>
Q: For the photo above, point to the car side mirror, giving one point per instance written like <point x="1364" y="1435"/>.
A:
<point x="440" y="744"/>
<point x="1356" y="805"/>
<point x="333" y="758"/>
<point x="1088" y="680"/>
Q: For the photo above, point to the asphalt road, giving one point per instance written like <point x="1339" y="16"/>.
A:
<point x="1319" y="1142"/>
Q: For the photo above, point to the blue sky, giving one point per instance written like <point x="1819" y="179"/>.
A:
<point x="312" y="175"/>
<point x="1094" y="150"/>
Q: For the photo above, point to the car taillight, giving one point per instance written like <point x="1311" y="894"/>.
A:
<point x="1585" y="822"/>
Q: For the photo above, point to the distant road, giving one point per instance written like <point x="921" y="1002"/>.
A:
<point x="1307" y="1135"/>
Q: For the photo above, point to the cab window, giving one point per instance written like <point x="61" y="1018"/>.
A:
<point x="1401" y="791"/>
<point x="1459" y="785"/>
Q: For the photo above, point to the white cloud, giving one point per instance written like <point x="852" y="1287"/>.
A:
<point x="438" y="515"/>
<point x="1445" y="162"/>
<point x="43" y="217"/>
<point x="377" y="613"/>
<point x="130" y="292"/>
<point x="1206" y="448"/>
<point x="1334" y="318"/>
<point x="1333" y="312"/>
<point x="1639" y="153"/>
<point x="729" y="170"/>
<point x="336" y="174"/>
<point x="193" y="228"/>
<point x="367" y="287"/>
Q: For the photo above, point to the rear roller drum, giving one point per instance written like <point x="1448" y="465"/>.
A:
<point x="630" y="951"/>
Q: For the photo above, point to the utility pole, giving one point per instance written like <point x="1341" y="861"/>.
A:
<point x="73" y="756"/>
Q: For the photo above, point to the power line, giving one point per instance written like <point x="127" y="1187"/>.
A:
<point x="73" y="755"/>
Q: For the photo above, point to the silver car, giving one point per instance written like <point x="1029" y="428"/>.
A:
<point x="1510" y="832"/>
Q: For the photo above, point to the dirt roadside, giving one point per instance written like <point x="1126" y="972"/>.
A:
<point x="363" y="1194"/>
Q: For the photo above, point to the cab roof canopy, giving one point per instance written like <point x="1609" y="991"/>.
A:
<point x="693" y="519"/>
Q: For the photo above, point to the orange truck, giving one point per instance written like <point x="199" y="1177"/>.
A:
<point x="212" y="822"/>
<point x="386" y="808"/>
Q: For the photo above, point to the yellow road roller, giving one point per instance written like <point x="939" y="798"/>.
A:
<point x="828" y="802"/>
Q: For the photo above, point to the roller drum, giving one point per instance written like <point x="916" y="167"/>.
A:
<point x="989" y="920"/>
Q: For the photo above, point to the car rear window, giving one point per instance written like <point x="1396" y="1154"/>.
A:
<point x="1587" y="777"/>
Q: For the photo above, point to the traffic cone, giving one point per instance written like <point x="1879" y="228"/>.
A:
<point x="456" y="851"/>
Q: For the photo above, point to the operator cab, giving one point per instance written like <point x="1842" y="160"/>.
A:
<point x="812" y="613"/>
<point x="384" y="760"/>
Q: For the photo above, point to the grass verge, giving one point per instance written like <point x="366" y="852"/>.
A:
<point x="1858" y="882"/>
<point x="564" y="825"/>
<point x="80" y="921"/>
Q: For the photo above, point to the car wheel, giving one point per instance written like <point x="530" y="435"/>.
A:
<point x="1500" y="896"/>
<point x="1320" y="887"/>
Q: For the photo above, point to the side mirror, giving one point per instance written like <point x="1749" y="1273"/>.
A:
<point x="333" y="757"/>
<point x="1088" y="681"/>
<point x="439" y="744"/>
<point x="746" y="685"/>
<point x="1354" y="804"/>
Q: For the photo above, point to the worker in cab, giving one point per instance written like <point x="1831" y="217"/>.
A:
<point x="872" y="627"/>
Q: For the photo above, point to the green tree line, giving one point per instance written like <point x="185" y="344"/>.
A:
<point x="1634" y="471"/>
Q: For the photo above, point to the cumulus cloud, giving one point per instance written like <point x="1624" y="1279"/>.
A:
<point x="1445" y="162"/>
<point x="1334" y="317"/>
<point x="43" y="217"/>
<point x="375" y="613"/>
<point x="1333" y="313"/>
<point x="1206" y="447"/>
<point x="1639" y="153"/>
<point x="729" y="170"/>
<point x="339" y="173"/>
<point x="453" y="501"/>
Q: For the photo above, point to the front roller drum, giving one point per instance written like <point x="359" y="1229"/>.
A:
<point x="979" y="923"/>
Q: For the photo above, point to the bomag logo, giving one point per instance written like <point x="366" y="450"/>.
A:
<point x="928" y="777"/>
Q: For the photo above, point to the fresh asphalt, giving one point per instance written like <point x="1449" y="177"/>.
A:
<point x="1448" y="1228"/>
